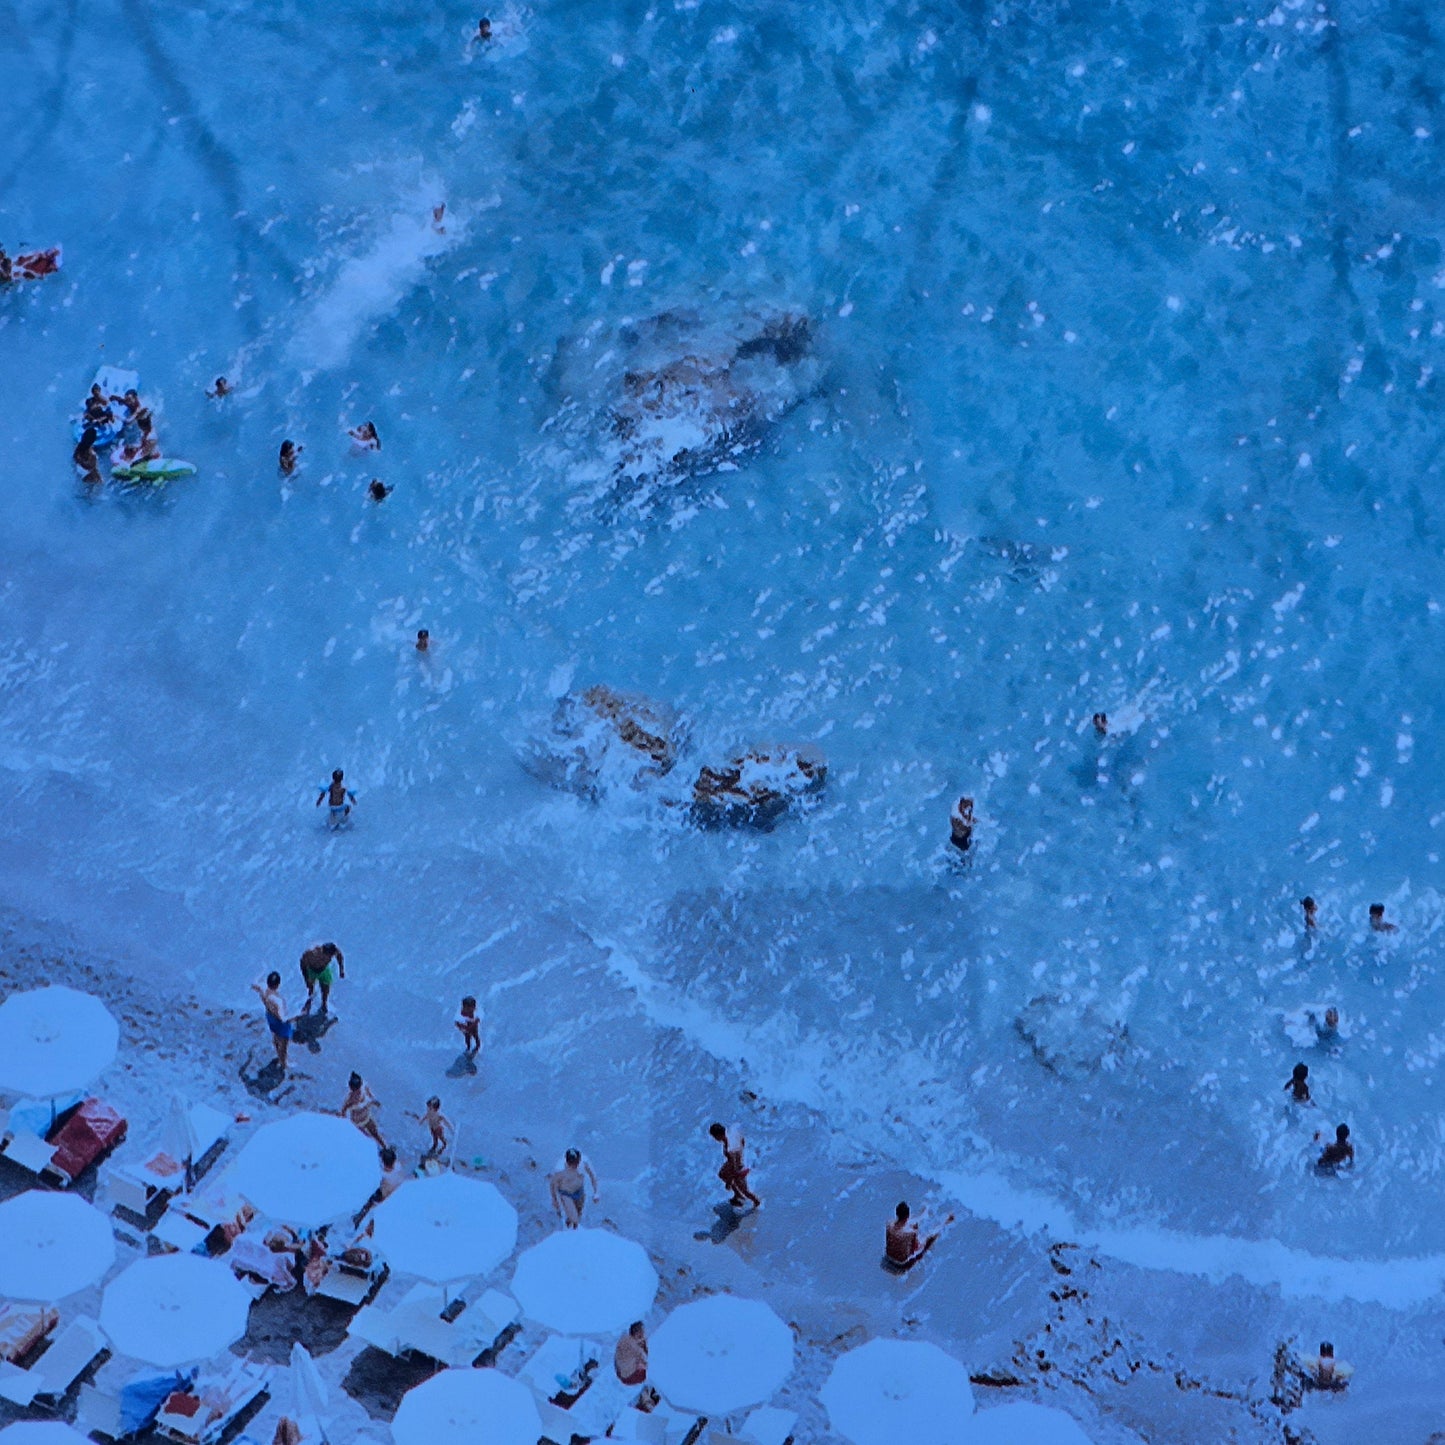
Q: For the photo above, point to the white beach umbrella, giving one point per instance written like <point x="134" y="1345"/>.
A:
<point x="307" y="1169"/>
<point x="720" y="1354"/>
<point x="174" y="1309"/>
<point x="445" y="1228"/>
<point x="52" y="1245"/>
<point x="891" y="1390"/>
<point x="42" y="1432"/>
<point x="467" y="1407"/>
<point x="54" y="1039"/>
<point x="585" y="1282"/>
<point x="1023" y="1424"/>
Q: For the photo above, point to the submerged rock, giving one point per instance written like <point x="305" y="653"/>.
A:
<point x="1071" y="1038"/>
<point x="682" y="396"/>
<point x="601" y="738"/>
<point x="756" y="788"/>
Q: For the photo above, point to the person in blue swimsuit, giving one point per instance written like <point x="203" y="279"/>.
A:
<point x="276" y="1020"/>
<point x="340" y="799"/>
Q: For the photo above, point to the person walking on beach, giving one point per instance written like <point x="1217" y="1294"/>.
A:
<point x="734" y="1172"/>
<point x="358" y="1107"/>
<point x="322" y="963"/>
<point x="1298" y="1086"/>
<point x="469" y="1025"/>
<point x="568" y="1187"/>
<point x="276" y="1019"/>
<point x="902" y="1247"/>
<point x="1337" y="1155"/>
<point x="340" y="798"/>
<point x="438" y="1125"/>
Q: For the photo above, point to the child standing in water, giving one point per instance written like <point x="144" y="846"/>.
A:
<point x="340" y="799"/>
<point x="469" y="1025"/>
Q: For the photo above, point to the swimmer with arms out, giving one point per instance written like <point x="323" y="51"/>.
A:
<point x="220" y="389"/>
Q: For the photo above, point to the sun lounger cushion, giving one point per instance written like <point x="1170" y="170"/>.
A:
<point x="71" y="1352"/>
<point x="22" y="1327"/>
<point x="93" y="1130"/>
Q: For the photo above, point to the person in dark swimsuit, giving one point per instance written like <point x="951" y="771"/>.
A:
<point x="1337" y="1155"/>
<point x="960" y="825"/>
<point x="1311" y="912"/>
<point x="378" y="491"/>
<point x="902" y="1247"/>
<point x="87" y="463"/>
<point x="287" y="460"/>
<point x="340" y="799"/>
<point x="568" y="1187"/>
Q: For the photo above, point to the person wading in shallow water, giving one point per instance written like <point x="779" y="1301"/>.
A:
<point x="322" y="963"/>
<point x="960" y="825"/>
<point x="902" y="1247"/>
<point x="734" y="1172"/>
<point x="1337" y="1155"/>
<point x="340" y="799"/>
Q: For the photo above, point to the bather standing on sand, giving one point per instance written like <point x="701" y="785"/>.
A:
<point x="734" y="1172"/>
<point x="322" y="963"/>
<point x="276" y="1019"/>
<point x="358" y="1106"/>
<point x="568" y="1187"/>
<point x="629" y="1359"/>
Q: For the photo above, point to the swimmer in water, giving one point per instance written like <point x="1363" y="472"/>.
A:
<point x="1299" y="1084"/>
<point x="423" y="639"/>
<point x="1329" y="1031"/>
<point x="340" y="799"/>
<point x="97" y="409"/>
<point x="85" y="459"/>
<point x="287" y="460"/>
<point x="378" y="491"/>
<point x="437" y="212"/>
<point x="1311" y="912"/>
<point x="484" y="31"/>
<point x="365" y="437"/>
<point x="7" y="267"/>
<point x="220" y="389"/>
<point x="1101" y="724"/>
<point x="960" y="825"/>
<point x="1377" y="919"/>
<point x="1337" y="1155"/>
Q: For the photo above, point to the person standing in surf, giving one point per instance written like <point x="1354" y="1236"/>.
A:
<point x="340" y="799"/>
<point x="734" y="1172"/>
<point x="322" y="963"/>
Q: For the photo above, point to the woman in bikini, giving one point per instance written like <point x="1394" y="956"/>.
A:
<point x="358" y="1106"/>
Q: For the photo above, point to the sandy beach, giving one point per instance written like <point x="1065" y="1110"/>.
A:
<point x="1173" y="1359"/>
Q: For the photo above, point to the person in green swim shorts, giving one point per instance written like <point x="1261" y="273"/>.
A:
<point x="322" y="964"/>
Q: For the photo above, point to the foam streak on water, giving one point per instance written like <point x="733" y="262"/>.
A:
<point x="1118" y="392"/>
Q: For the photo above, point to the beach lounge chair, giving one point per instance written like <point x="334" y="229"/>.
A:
<point x="770" y="1426"/>
<point x="643" y="1426"/>
<point x="195" y="1136"/>
<point x="22" y="1327"/>
<point x="86" y="1137"/>
<point x="203" y="1414"/>
<point x="29" y="1151"/>
<point x="97" y="1412"/>
<point x="64" y="1361"/>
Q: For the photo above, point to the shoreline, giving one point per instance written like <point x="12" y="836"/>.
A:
<point x="1168" y="1355"/>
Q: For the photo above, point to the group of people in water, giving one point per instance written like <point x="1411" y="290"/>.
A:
<point x="123" y="417"/>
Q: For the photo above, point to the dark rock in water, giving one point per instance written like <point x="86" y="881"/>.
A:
<point x="683" y="396"/>
<point x="1069" y="1038"/>
<point x="756" y="788"/>
<point x="601" y="738"/>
